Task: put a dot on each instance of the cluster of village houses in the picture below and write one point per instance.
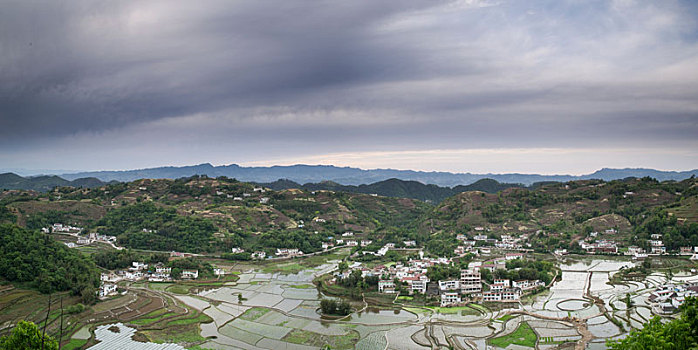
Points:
(81, 239)
(605, 246)
(142, 271)
(60, 228)
(669, 297)
(451, 292)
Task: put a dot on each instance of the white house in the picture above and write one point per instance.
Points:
(139, 265)
(190, 274)
(448, 299)
(259, 255)
(449, 285)
(106, 290)
(470, 281)
(386, 286)
(284, 252)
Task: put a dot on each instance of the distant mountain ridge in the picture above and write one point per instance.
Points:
(397, 188)
(303, 174)
(44, 183)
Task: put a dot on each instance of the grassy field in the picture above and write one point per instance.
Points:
(462, 310)
(200, 318)
(523, 336)
(299, 336)
(74, 344)
(153, 317)
(178, 289)
(286, 268)
(178, 334)
(254, 313)
(505, 318)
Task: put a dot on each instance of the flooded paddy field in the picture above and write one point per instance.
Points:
(279, 310)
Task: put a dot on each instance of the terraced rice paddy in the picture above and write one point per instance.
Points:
(279, 310)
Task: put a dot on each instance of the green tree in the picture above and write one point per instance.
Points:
(342, 266)
(678, 334)
(27, 336)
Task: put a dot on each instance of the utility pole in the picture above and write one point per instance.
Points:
(60, 335)
(43, 335)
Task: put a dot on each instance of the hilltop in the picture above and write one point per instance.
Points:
(44, 183)
(355, 176)
(398, 188)
(202, 214)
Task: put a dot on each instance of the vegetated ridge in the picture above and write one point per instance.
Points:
(398, 188)
(201, 214)
(355, 176)
(44, 183)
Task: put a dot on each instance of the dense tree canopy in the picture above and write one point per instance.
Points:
(678, 334)
(33, 257)
(27, 336)
(164, 228)
(520, 269)
(6, 215)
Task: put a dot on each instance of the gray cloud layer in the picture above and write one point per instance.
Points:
(272, 78)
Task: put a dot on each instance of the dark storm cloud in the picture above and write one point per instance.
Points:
(72, 66)
(319, 76)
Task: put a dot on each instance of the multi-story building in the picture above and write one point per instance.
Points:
(386, 286)
(449, 285)
(470, 281)
(451, 298)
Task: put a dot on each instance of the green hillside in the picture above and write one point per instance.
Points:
(213, 215)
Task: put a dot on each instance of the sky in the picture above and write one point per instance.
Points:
(483, 86)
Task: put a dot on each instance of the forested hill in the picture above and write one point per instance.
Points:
(44, 183)
(35, 259)
(398, 188)
(354, 176)
(213, 215)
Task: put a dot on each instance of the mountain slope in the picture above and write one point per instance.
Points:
(397, 188)
(201, 214)
(44, 183)
(355, 176)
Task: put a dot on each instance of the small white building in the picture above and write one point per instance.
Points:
(290, 252)
(386, 286)
(449, 299)
(449, 285)
(107, 289)
(139, 265)
(190, 274)
(259, 255)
